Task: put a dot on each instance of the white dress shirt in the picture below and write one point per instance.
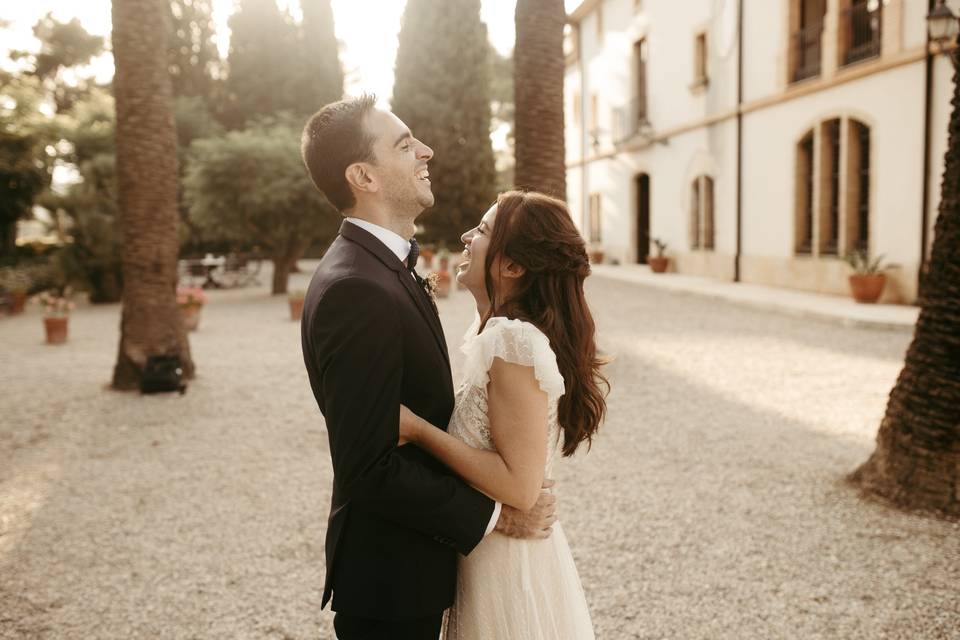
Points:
(401, 248)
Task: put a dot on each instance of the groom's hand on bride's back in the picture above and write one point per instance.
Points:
(537, 523)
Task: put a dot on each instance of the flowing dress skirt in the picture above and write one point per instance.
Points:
(510, 589)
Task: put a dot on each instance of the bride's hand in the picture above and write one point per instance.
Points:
(409, 425)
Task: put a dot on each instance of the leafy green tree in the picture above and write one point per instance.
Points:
(249, 188)
(194, 58)
(26, 165)
(29, 137)
(63, 45)
(92, 259)
(442, 92)
(194, 121)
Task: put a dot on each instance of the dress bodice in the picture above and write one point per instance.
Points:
(513, 341)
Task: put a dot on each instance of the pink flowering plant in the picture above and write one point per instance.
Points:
(190, 297)
(56, 305)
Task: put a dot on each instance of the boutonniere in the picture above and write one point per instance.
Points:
(430, 284)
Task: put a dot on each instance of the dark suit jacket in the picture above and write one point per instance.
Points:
(371, 341)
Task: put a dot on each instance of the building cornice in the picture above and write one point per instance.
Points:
(843, 76)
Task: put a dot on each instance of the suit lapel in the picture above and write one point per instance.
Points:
(426, 309)
(369, 242)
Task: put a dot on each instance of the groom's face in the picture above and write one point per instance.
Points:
(400, 165)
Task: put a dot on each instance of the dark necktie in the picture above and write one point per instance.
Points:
(414, 255)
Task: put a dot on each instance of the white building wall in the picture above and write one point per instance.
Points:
(693, 131)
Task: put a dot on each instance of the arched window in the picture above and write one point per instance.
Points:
(832, 212)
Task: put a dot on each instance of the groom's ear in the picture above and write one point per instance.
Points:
(359, 177)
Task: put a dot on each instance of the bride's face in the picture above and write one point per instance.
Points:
(475, 242)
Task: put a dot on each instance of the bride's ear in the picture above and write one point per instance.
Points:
(359, 177)
(510, 269)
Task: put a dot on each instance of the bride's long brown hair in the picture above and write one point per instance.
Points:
(535, 231)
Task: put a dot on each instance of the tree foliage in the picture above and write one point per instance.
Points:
(63, 45)
(194, 59)
(26, 163)
(322, 80)
(249, 187)
(276, 65)
(443, 94)
(92, 260)
(261, 78)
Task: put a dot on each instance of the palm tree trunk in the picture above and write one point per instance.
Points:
(147, 188)
(538, 95)
(916, 464)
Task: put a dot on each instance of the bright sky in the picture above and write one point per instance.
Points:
(367, 28)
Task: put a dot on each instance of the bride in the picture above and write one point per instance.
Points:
(532, 387)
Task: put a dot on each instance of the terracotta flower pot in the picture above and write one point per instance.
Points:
(867, 288)
(56, 328)
(18, 300)
(596, 256)
(191, 316)
(443, 284)
(658, 264)
(296, 308)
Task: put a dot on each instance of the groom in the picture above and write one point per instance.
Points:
(371, 342)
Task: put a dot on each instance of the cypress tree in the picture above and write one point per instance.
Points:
(262, 63)
(193, 52)
(442, 92)
(322, 80)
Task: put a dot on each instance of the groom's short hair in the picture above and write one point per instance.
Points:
(332, 140)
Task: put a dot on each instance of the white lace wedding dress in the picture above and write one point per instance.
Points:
(510, 589)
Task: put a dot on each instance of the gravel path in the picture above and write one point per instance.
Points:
(711, 505)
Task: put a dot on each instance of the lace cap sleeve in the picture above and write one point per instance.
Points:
(517, 342)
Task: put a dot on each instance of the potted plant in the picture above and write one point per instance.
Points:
(443, 255)
(596, 254)
(867, 280)
(56, 315)
(296, 298)
(16, 282)
(659, 262)
(427, 253)
(190, 300)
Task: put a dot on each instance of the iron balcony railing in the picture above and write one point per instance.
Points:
(863, 25)
(806, 52)
(630, 120)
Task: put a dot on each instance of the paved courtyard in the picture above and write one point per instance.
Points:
(711, 506)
